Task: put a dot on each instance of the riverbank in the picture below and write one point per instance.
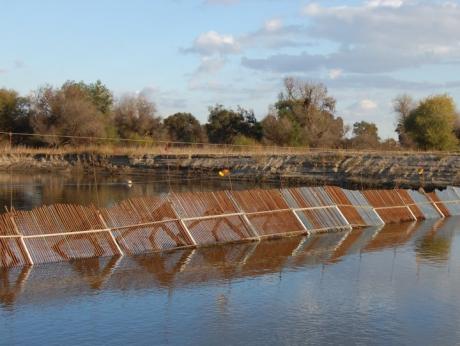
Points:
(353, 169)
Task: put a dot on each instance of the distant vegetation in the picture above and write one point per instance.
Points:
(303, 115)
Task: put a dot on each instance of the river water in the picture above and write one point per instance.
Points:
(394, 285)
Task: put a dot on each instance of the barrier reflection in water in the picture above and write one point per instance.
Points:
(430, 239)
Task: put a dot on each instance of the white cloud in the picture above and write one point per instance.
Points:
(273, 25)
(377, 36)
(385, 3)
(211, 42)
(335, 73)
(367, 105)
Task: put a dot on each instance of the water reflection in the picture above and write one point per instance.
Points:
(431, 241)
(26, 191)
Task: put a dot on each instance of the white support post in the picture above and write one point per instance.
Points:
(188, 232)
(300, 221)
(120, 251)
(23, 244)
(344, 218)
(378, 216)
(26, 250)
(411, 212)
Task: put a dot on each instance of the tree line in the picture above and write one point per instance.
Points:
(303, 115)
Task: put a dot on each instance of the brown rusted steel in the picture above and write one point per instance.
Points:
(450, 199)
(198, 204)
(346, 207)
(315, 209)
(407, 199)
(12, 252)
(216, 230)
(435, 199)
(211, 217)
(65, 247)
(147, 224)
(389, 205)
(252, 201)
(268, 212)
(6, 225)
(137, 211)
(153, 237)
(58, 218)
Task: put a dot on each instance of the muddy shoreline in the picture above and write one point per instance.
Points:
(385, 170)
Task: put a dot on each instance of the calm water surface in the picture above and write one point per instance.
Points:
(396, 285)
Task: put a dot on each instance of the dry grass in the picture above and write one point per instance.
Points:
(195, 149)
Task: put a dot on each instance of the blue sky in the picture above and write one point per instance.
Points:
(186, 55)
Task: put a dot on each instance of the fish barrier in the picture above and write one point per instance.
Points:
(65, 232)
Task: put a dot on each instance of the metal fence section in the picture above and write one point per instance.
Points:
(148, 224)
(420, 205)
(389, 205)
(64, 232)
(212, 217)
(70, 246)
(12, 249)
(268, 212)
(448, 200)
(355, 207)
(315, 208)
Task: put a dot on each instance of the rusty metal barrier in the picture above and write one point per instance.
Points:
(12, 249)
(64, 232)
(356, 208)
(315, 208)
(212, 217)
(148, 224)
(419, 204)
(389, 205)
(268, 212)
(448, 200)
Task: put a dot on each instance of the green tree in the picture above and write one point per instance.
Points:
(365, 135)
(100, 95)
(14, 112)
(184, 127)
(310, 112)
(224, 125)
(431, 125)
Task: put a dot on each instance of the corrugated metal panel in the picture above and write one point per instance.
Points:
(58, 218)
(252, 201)
(12, 252)
(275, 223)
(317, 211)
(363, 207)
(137, 211)
(196, 204)
(346, 207)
(450, 199)
(408, 201)
(268, 212)
(389, 205)
(323, 220)
(218, 229)
(155, 237)
(56, 248)
(6, 225)
(436, 201)
(424, 204)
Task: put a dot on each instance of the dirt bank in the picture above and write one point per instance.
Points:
(334, 168)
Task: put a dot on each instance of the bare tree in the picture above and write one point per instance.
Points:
(135, 117)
